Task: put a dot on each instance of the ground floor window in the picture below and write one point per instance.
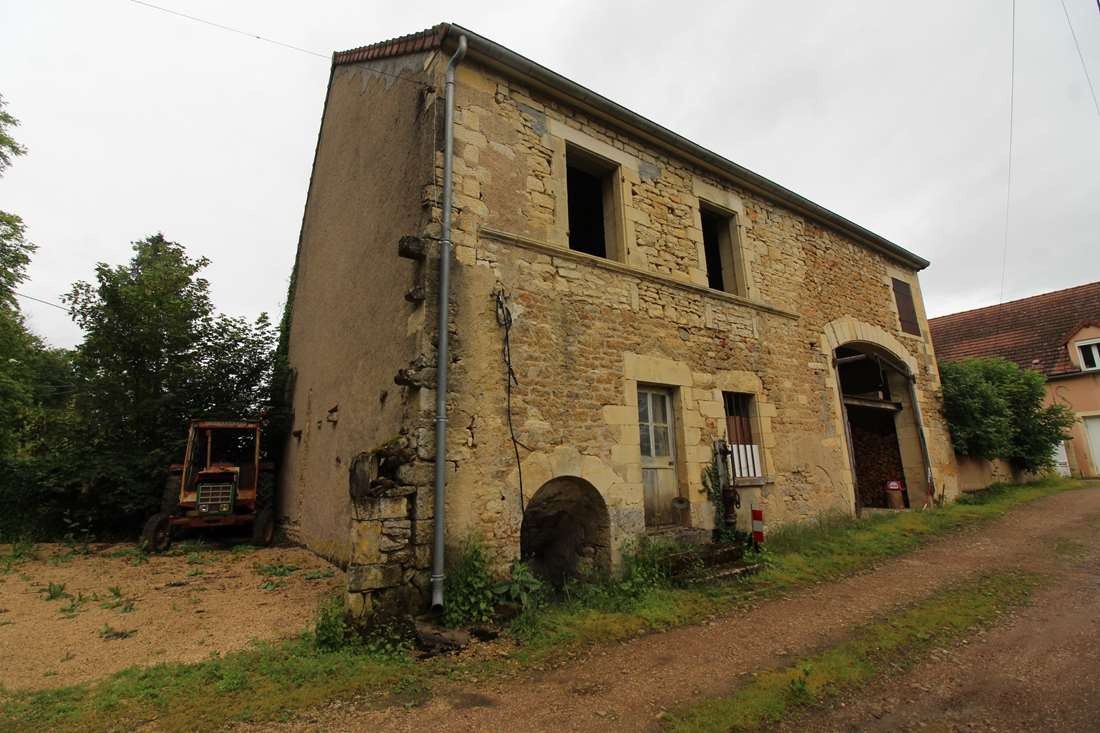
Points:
(743, 443)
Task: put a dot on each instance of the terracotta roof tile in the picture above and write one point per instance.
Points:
(1033, 332)
(412, 43)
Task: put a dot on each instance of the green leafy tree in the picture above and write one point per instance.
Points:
(18, 346)
(995, 409)
(155, 354)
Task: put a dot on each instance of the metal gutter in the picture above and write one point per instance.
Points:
(512, 64)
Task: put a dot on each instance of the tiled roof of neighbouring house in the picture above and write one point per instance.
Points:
(1033, 332)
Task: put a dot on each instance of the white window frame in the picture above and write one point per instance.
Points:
(1094, 346)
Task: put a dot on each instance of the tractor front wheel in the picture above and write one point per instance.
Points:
(157, 534)
(263, 528)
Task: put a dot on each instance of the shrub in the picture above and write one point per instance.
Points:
(995, 410)
(469, 588)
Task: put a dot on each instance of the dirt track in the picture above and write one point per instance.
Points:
(180, 608)
(628, 687)
(1038, 671)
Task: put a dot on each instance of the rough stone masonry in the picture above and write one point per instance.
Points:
(586, 331)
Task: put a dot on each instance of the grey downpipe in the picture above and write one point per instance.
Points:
(443, 356)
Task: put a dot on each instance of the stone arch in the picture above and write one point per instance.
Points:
(850, 331)
(884, 429)
(566, 530)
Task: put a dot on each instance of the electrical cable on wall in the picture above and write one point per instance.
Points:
(504, 318)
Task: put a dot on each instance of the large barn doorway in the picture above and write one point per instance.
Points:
(566, 532)
(885, 439)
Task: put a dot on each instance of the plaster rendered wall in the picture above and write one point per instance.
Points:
(350, 327)
(588, 331)
(1082, 394)
(976, 474)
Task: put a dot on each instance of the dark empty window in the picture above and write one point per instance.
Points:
(586, 230)
(713, 224)
(590, 186)
(907, 310)
(1090, 356)
(721, 250)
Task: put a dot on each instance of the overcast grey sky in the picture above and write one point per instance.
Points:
(893, 114)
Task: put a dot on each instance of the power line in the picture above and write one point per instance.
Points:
(39, 300)
(231, 29)
(1081, 56)
(283, 44)
(1011, 115)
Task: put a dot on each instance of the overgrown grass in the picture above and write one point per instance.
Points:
(271, 680)
(267, 682)
(828, 548)
(897, 641)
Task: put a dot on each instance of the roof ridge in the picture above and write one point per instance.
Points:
(1048, 294)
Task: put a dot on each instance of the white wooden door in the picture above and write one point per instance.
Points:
(658, 455)
(1092, 429)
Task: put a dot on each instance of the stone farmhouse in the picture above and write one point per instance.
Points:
(618, 299)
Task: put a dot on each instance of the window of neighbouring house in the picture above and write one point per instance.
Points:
(720, 249)
(591, 189)
(1090, 355)
(743, 442)
(907, 309)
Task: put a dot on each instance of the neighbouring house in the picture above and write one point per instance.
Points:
(620, 299)
(1055, 333)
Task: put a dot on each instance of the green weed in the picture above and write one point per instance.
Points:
(331, 630)
(277, 570)
(134, 555)
(469, 588)
(54, 591)
(318, 574)
(107, 633)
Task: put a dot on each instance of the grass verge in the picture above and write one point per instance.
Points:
(898, 641)
(271, 681)
(825, 549)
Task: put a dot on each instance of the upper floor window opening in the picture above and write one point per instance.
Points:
(907, 308)
(721, 250)
(1090, 355)
(593, 193)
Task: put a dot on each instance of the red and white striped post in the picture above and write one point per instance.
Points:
(757, 526)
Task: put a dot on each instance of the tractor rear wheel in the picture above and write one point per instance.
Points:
(157, 534)
(170, 497)
(263, 528)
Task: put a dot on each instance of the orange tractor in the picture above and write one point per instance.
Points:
(222, 483)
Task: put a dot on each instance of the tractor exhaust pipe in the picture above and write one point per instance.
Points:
(443, 356)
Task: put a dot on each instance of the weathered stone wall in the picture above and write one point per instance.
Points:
(587, 331)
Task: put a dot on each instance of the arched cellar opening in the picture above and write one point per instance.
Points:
(884, 434)
(566, 532)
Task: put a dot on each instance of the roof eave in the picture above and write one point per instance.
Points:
(514, 65)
